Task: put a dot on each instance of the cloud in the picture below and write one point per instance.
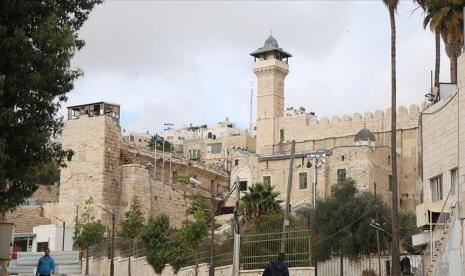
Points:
(188, 62)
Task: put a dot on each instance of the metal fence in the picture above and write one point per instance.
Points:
(369, 265)
(258, 250)
(124, 248)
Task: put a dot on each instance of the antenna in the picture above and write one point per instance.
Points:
(251, 107)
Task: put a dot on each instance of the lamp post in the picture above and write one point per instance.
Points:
(319, 159)
(237, 231)
(64, 224)
(112, 265)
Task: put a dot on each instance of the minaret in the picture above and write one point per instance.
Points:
(271, 68)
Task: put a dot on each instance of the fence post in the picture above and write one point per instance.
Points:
(342, 264)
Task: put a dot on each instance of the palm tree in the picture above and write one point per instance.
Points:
(392, 7)
(259, 201)
(437, 39)
(446, 16)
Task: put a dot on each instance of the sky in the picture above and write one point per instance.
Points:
(187, 62)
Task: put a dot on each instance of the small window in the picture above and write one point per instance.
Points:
(389, 160)
(390, 183)
(242, 186)
(236, 162)
(436, 188)
(41, 246)
(140, 140)
(267, 180)
(303, 180)
(453, 181)
(341, 176)
(281, 135)
(266, 165)
(209, 135)
(302, 162)
(343, 157)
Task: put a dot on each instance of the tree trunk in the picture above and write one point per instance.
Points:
(453, 67)
(437, 38)
(87, 261)
(395, 200)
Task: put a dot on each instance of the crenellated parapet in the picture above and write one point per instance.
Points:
(304, 127)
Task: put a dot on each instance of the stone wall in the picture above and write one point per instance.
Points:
(94, 171)
(46, 193)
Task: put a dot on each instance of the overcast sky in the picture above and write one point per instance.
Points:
(188, 62)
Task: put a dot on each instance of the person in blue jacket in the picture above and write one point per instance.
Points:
(46, 264)
(277, 268)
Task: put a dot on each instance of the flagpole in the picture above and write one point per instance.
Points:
(155, 153)
(163, 162)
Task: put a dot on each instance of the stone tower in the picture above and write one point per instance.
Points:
(92, 131)
(271, 68)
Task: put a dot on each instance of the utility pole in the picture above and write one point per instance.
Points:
(288, 198)
(377, 231)
(211, 270)
(237, 233)
(112, 264)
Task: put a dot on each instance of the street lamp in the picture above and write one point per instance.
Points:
(64, 224)
(112, 265)
(197, 184)
(319, 159)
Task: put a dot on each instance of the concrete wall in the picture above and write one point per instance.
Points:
(140, 267)
(53, 234)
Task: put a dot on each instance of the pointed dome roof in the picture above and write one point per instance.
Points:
(271, 42)
(364, 135)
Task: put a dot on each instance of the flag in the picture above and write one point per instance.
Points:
(158, 139)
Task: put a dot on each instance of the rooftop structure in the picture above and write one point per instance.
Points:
(95, 109)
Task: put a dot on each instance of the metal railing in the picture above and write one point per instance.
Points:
(124, 247)
(258, 250)
(438, 232)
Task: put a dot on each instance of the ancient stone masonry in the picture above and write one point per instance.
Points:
(113, 171)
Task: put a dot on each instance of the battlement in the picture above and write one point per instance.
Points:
(307, 127)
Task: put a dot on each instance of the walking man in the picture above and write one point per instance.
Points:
(46, 264)
(277, 268)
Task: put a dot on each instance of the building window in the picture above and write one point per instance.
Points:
(194, 154)
(266, 165)
(436, 188)
(303, 180)
(281, 135)
(214, 148)
(453, 181)
(343, 157)
(209, 135)
(389, 160)
(267, 180)
(41, 246)
(140, 140)
(242, 186)
(390, 183)
(341, 176)
(236, 162)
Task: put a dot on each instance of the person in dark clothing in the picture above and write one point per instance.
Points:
(277, 268)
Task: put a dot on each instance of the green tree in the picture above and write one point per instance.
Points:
(88, 230)
(259, 201)
(340, 223)
(446, 17)
(168, 146)
(192, 234)
(48, 174)
(38, 39)
(133, 223)
(392, 8)
(157, 237)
